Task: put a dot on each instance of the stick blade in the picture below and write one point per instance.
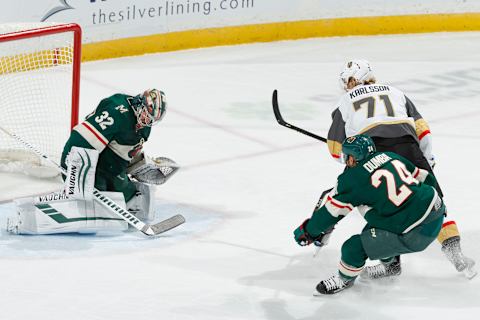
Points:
(278, 116)
(167, 224)
(276, 109)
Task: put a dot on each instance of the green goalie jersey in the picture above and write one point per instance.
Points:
(388, 190)
(112, 130)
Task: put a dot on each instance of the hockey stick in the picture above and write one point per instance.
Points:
(109, 204)
(282, 122)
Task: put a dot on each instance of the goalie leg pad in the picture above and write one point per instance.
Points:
(80, 179)
(143, 202)
(69, 216)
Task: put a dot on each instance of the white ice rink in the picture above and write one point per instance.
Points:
(247, 182)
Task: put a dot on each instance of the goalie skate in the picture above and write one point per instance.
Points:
(13, 224)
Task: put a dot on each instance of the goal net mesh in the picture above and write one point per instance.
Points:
(36, 81)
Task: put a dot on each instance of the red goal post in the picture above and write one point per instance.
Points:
(39, 88)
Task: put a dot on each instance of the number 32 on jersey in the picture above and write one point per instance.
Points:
(104, 120)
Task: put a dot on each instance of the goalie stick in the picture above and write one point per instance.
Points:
(278, 116)
(109, 204)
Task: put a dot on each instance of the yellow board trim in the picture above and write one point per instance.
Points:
(422, 23)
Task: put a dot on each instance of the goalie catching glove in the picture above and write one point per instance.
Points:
(152, 170)
(303, 238)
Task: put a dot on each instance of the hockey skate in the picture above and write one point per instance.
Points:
(13, 223)
(333, 285)
(453, 252)
(383, 270)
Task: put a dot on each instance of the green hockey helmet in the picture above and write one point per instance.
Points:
(359, 147)
(150, 107)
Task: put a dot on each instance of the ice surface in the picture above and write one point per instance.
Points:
(246, 183)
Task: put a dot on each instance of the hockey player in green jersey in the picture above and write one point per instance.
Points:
(404, 212)
(390, 118)
(117, 129)
(105, 152)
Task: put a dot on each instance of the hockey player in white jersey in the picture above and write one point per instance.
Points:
(390, 118)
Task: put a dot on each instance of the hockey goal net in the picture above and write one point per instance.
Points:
(39, 92)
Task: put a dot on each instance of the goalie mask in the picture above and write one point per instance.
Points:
(359, 70)
(150, 107)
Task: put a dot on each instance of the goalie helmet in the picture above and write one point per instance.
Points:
(359, 70)
(150, 107)
(359, 147)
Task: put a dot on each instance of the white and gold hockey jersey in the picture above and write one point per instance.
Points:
(376, 110)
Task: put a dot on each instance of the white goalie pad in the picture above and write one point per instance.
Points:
(53, 213)
(142, 204)
(152, 170)
(81, 167)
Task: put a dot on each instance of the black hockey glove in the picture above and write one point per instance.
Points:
(303, 238)
(324, 237)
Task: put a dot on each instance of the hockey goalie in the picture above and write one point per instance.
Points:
(103, 152)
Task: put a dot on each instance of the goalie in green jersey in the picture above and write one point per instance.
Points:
(117, 129)
(404, 212)
(105, 152)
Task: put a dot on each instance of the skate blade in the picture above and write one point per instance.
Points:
(317, 294)
(470, 273)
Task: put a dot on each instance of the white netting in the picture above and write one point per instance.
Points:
(35, 93)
